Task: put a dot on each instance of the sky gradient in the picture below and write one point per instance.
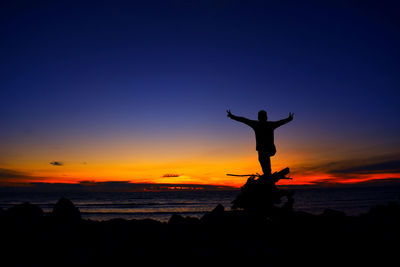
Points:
(113, 91)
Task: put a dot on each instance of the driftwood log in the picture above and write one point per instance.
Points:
(260, 194)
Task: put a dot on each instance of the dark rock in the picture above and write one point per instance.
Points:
(333, 213)
(219, 209)
(176, 219)
(26, 212)
(65, 211)
(192, 220)
(391, 212)
(215, 215)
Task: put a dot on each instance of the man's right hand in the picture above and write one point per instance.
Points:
(229, 113)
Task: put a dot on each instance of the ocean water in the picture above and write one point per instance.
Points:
(161, 205)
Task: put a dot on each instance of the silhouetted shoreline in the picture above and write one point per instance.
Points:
(61, 238)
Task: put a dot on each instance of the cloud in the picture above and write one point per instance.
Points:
(357, 166)
(57, 163)
(391, 166)
(7, 174)
(356, 170)
(170, 175)
(12, 177)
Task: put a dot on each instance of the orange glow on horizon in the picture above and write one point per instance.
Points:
(321, 179)
(169, 166)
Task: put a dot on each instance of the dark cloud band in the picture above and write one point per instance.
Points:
(56, 163)
(171, 175)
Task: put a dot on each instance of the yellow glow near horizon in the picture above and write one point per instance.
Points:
(194, 161)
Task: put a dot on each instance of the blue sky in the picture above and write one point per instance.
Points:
(90, 72)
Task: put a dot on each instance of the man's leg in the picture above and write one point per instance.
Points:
(265, 162)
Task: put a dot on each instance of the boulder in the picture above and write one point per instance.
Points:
(333, 213)
(65, 211)
(176, 219)
(215, 215)
(25, 212)
(179, 220)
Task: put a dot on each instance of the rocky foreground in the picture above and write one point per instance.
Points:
(29, 237)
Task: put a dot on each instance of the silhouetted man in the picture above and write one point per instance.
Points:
(264, 131)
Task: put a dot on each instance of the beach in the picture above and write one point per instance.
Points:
(62, 237)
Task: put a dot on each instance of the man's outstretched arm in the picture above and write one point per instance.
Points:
(284, 121)
(237, 118)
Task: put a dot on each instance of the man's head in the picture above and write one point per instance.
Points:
(262, 115)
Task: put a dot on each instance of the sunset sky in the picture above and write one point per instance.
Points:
(99, 91)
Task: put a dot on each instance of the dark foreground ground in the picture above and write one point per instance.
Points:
(224, 238)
